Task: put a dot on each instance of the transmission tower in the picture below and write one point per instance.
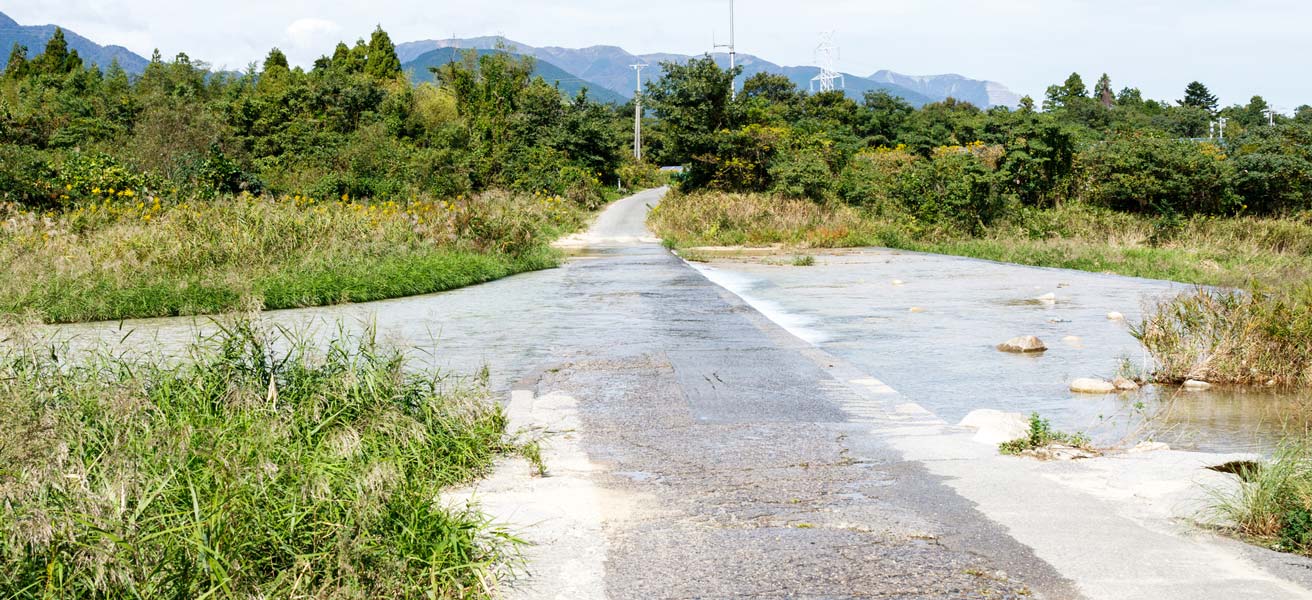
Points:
(637, 113)
(826, 57)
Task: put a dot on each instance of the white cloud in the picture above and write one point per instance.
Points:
(311, 32)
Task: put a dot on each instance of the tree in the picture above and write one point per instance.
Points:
(17, 66)
(275, 59)
(1103, 91)
(693, 101)
(1198, 96)
(1067, 94)
(57, 59)
(772, 87)
(382, 62)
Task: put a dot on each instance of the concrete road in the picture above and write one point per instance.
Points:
(720, 462)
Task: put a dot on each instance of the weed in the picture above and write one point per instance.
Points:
(805, 260)
(1042, 435)
(247, 472)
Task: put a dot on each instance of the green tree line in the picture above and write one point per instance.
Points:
(966, 166)
(351, 125)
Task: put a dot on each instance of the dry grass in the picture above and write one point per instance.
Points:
(1210, 251)
(1257, 338)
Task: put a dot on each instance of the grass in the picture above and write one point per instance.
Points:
(1246, 338)
(1208, 251)
(246, 471)
(1041, 435)
(1272, 504)
(127, 259)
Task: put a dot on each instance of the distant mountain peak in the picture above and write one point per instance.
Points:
(7, 22)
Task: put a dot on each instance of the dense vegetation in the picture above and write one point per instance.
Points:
(254, 471)
(1101, 180)
(185, 190)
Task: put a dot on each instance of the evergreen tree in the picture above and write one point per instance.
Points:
(382, 62)
(1198, 96)
(1074, 88)
(275, 59)
(1103, 91)
(17, 66)
(55, 60)
(1026, 104)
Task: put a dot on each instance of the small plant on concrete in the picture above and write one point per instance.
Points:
(1273, 502)
(1041, 435)
(804, 260)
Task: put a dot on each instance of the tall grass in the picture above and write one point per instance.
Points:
(123, 259)
(261, 468)
(1203, 250)
(1273, 500)
(1259, 337)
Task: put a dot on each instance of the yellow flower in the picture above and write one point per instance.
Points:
(128, 193)
(95, 190)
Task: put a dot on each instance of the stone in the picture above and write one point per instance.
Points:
(1125, 385)
(1195, 385)
(898, 282)
(1023, 345)
(1063, 452)
(994, 427)
(1047, 298)
(917, 309)
(1092, 386)
(1074, 340)
(1063, 285)
(1115, 316)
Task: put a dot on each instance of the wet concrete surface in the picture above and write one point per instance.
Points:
(727, 466)
(857, 304)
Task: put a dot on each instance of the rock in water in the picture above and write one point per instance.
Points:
(917, 309)
(1092, 386)
(1125, 385)
(1047, 298)
(994, 427)
(1115, 316)
(1195, 385)
(1023, 345)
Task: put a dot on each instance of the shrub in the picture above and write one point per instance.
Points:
(869, 178)
(1041, 434)
(801, 173)
(1156, 175)
(27, 177)
(954, 188)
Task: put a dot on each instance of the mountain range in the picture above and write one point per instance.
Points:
(604, 70)
(609, 67)
(34, 37)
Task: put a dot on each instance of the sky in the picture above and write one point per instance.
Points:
(1237, 48)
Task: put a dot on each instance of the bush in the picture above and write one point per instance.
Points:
(1160, 176)
(27, 177)
(869, 178)
(801, 173)
(953, 188)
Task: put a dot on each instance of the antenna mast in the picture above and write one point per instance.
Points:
(826, 57)
(637, 113)
(733, 52)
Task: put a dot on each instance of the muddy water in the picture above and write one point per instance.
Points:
(928, 325)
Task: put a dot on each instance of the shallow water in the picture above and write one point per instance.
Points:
(943, 356)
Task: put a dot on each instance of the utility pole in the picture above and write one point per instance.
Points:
(1270, 117)
(1221, 128)
(637, 113)
(733, 53)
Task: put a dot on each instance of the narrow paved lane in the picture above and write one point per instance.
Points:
(726, 462)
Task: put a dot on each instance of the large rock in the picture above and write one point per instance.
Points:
(994, 427)
(1092, 386)
(1115, 316)
(1022, 345)
(1125, 385)
(1195, 385)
